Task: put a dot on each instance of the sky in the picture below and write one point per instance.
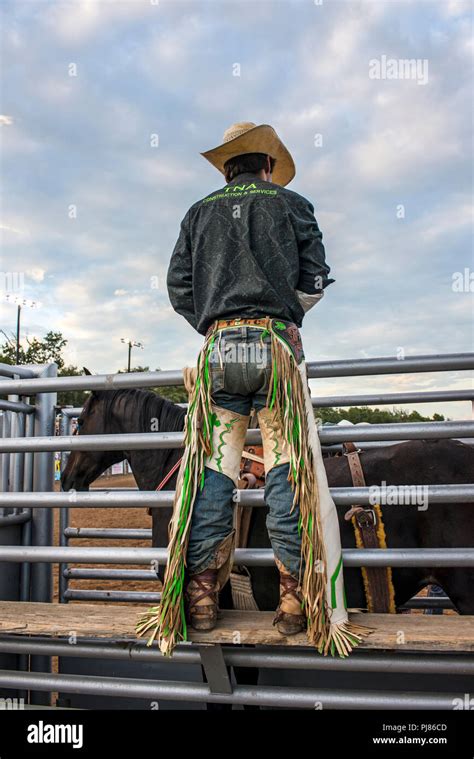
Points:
(107, 104)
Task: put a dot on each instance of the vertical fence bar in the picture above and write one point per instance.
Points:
(19, 457)
(18, 486)
(17, 472)
(25, 570)
(6, 433)
(42, 519)
(13, 458)
(2, 427)
(65, 425)
(26, 533)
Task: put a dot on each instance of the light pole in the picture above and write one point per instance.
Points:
(131, 344)
(19, 303)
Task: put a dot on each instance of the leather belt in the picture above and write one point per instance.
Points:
(241, 322)
(370, 533)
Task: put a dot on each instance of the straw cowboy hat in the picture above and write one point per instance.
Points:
(247, 137)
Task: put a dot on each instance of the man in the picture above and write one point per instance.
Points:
(247, 266)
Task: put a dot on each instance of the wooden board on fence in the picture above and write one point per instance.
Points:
(403, 632)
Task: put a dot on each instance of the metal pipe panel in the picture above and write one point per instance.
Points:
(382, 399)
(461, 493)
(118, 596)
(41, 578)
(242, 694)
(369, 399)
(107, 533)
(257, 656)
(341, 368)
(65, 424)
(74, 573)
(160, 440)
(17, 407)
(353, 557)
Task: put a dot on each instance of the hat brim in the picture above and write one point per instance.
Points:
(259, 139)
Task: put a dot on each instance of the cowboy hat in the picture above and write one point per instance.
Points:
(246, 137)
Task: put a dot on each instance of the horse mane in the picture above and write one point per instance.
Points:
(147, 406)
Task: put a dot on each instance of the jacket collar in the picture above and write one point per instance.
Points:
(244, 177)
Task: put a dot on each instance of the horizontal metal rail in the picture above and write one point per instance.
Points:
(341, 368)
(9, 519)
(438, 602)
(138, 596)
(103, 533)
(117, 596)
(152, 440)
(367, 445)
(432, 494)
(370, 399)
(296, 698)
(357, 557)
(384, 399)
(16, 406)
(258, 656)
(7, 370)
(88, 573)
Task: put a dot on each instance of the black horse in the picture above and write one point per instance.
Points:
(420, 462)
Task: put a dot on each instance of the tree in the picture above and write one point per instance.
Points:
(45, 351)
(359, 414)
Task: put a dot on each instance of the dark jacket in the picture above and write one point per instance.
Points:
(243, 251)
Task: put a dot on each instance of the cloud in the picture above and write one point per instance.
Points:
(37, 275)
(79, 22)
(167, 69)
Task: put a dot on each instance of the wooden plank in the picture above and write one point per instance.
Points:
(403, 632)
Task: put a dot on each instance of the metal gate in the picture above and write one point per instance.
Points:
(27, 501)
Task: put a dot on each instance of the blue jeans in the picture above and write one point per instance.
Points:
(240, 384)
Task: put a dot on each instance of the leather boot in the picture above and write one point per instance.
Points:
(202, 596)
(202, 591)
(290, 618)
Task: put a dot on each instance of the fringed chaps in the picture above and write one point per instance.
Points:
(321, 576)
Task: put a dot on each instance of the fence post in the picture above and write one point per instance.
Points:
(65, 424)
(42, 519)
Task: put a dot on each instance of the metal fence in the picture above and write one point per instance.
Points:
(27, 501)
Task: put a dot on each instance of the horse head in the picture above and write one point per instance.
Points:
(83, 467)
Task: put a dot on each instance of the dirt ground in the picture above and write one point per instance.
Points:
(123, 518)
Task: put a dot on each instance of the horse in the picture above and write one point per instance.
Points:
(420, 462)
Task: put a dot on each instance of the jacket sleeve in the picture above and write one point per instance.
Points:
(180, 276)
(314, 270)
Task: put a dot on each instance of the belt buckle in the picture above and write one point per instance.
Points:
(367, 518)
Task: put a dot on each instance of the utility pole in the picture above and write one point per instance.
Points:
(10, 298)
(18, 313)
(131, 344)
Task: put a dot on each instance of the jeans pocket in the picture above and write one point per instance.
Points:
(217, 378)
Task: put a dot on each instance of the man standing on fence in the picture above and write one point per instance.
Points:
(247, 266)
